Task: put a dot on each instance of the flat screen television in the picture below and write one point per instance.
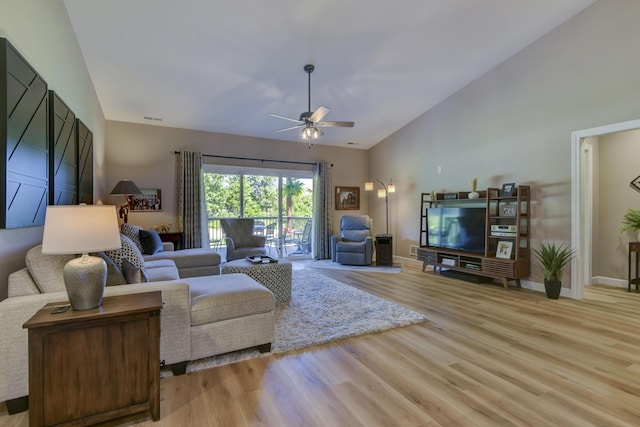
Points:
(462, 229)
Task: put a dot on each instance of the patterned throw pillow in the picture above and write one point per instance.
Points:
(132, 232)
(129, 251)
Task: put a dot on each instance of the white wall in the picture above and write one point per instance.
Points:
(514, 123)
(41, 32)
(145, 155)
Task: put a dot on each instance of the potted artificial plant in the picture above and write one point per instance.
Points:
(553, 260)
(631, 220)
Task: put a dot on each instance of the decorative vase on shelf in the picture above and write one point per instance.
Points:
(474, 194)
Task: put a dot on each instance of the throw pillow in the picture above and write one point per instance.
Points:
(114, 275)
(151, 242)
(133, 274)
(128, 250)
(132, 232)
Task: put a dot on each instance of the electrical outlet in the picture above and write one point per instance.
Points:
(439, 169)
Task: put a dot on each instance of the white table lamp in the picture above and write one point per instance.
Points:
(80, 230)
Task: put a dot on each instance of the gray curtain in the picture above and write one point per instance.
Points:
(190, 201)
(322, 218)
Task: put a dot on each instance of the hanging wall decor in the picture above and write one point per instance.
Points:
(24, 145)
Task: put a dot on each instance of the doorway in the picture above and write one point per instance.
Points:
(582, 200)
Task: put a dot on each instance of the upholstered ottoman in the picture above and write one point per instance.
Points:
(275, 276)
(229, 313)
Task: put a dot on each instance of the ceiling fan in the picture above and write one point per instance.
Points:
(310, 121)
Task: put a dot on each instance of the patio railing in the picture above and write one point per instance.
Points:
(284, 243)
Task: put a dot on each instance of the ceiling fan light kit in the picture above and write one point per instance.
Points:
(310, 121)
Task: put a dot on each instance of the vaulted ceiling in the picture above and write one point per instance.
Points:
(223, 66)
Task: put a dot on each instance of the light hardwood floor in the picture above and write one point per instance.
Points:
(488, 357)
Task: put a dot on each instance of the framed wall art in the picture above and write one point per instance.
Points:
(347, 198)
(150, 200)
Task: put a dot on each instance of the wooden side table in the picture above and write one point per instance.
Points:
(90, 366)
(175, 237)
(634, 247)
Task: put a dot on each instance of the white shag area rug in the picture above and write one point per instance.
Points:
(321, 310)
(327, 263)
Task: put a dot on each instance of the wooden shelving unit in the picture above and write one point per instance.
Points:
(507, 224)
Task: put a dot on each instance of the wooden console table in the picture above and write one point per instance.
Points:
(90, 366)
(174, 237)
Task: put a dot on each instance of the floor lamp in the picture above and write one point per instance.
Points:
(127, 189)
(382, 193)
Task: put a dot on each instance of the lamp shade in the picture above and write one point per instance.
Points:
(80, 229)
(368, 186)
(126, 187)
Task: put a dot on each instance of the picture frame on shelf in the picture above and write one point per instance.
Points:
(347, 198)
(149, 201)
(504, 249)
(508, 189)
(508, 211)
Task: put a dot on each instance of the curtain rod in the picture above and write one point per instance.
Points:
(256, 160)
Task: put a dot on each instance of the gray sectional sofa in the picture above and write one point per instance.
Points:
(204, 313)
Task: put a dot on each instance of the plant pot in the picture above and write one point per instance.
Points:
(552, 288)
(474, 195)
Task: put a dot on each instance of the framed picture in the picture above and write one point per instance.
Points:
(504, 249)
(508, 189)
(347, 198)
(149, 201)
(508, 211)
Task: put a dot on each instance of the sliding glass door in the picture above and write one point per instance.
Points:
(280, 201)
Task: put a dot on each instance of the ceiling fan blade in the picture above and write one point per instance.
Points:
(286, 118)
(336, 124)
(291, 128)
(319, 114)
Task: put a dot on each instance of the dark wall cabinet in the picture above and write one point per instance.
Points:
(23, 141)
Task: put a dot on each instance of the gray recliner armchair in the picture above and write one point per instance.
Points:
(240, 240)
(354, 246)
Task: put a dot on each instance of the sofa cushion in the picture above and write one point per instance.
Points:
(357, 247)
(188, 258)
(151, 242)
(160, 270)
(129, 251)
(132, 232)
(47, 270)
(133, 274)
(228, 296)
(21, 283)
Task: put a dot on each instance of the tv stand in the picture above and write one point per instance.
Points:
(507, 223)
